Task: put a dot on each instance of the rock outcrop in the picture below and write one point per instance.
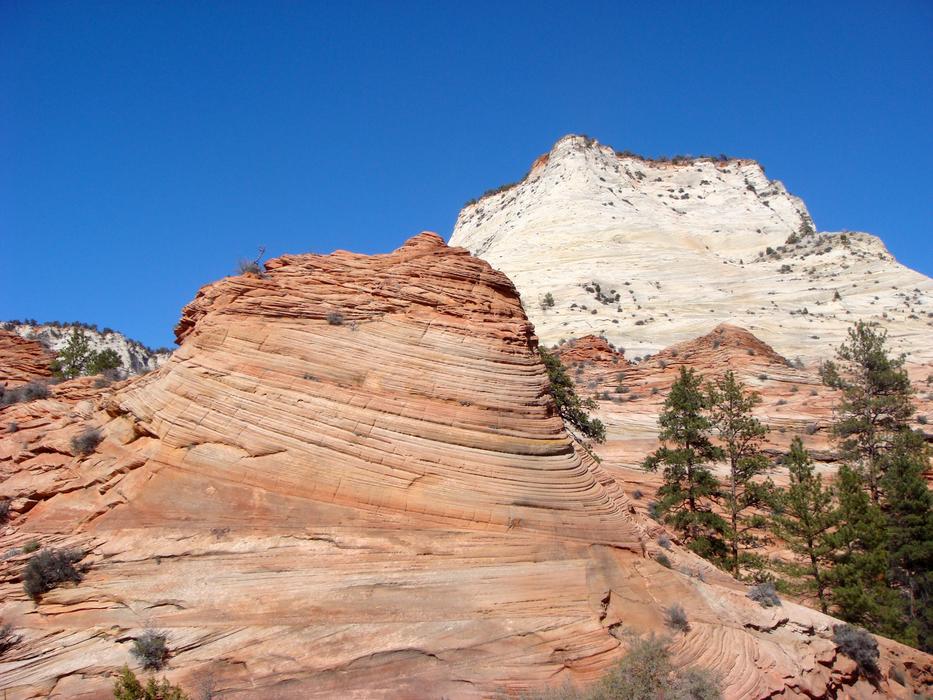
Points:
(350, 481)
(136, 357)
(651, 253)
(22, 360)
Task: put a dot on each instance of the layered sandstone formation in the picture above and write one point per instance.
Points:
(22, 360)
(350, 481)
(652, 253)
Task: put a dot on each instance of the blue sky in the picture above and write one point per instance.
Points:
(146, 147)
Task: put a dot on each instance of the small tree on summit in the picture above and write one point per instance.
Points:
(571, 407)
(689, 488)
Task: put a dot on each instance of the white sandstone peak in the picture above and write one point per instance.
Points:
(651, 252)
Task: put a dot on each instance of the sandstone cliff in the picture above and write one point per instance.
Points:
(350, 481)
(652, 253)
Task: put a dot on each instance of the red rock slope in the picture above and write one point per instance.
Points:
(349, 481)
(22, 360)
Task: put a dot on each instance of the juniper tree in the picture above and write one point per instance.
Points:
(741, 435)
(806, 516)
(689, 489)
(875, 404)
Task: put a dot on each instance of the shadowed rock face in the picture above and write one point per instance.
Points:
(350, 481)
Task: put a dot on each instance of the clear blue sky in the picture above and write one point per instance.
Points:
(147, 146)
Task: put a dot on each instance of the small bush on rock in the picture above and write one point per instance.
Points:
(8, 638)
(859, 646)
(48, 569)
(24, 393)
(150, 649)
(4, 510)
(663, 560)
(335, 318)
(676, 618)
(764, 594)
(85, 442)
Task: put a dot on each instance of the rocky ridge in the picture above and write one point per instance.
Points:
(350, 480)
(136, 357)
(652, 253)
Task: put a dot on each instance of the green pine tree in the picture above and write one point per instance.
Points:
(102, 361)
(859, 575)
(689, 489)
(875, 404)
(570, 406)
(909, 514)
(805, 518)
(74, 356)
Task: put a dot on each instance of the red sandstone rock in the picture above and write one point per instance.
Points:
(22, 360)
(381, 505)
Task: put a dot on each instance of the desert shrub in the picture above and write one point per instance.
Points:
(763, 377)
(31, 546)
(663, 560)
(128, 687)
(335, 318)
(675, 617)
(21, 394)
(781, 402)
(922, 419)
(249, 267)
(49, 568)
(764, 594)
(654, 510)
(811, 428)
(859, 646)
(8, 638)
(85, 442)
(12, 427)
(637, 494)
(150, 649)
(4, 510)
(647, 672)
(664, 541)
(548, 301)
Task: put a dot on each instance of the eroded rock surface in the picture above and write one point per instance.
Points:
(653, 253)
(22, 360)
(350, 481)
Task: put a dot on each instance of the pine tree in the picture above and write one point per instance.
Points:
(570, 406)
(74, 357)
(875, 403)
(689, 487)
(859, 576)
(741, 435)
(102, 361)
(806, 517)
(909, 514)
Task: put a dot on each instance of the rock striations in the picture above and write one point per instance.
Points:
(22, 360)
(350, 481)
(650, 253)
